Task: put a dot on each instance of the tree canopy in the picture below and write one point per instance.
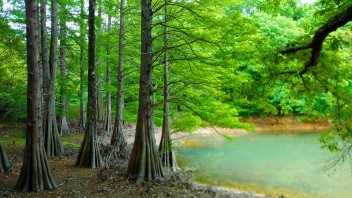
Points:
(226, 60)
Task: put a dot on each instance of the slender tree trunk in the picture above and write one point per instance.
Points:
(4, 162)
(82, 110)
(145, 163)
(64, 128)
(45, 65)
(118, 138)
(107, 123)
(89, 153)
(40, 60)
(35, 173)
(51, 135)
(82, 114)
(167, 155)
(100, 113)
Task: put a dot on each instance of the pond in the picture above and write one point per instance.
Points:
(289, 164)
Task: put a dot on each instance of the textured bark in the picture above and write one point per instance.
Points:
(107, 124)
(316, 45)
(35, 173)
(4, 162)
(44, 45)
(89, 153)
(82, 111)
(167, 155)
(118, 138)
(144, 163)
(64, 128)
(100, 112)
(52, 142)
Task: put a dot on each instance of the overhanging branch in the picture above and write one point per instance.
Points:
(316, 45)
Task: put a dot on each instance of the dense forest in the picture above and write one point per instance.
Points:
(70, 66)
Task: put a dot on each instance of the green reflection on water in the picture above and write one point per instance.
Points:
(290, 164)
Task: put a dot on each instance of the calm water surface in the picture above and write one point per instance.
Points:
(291, 162)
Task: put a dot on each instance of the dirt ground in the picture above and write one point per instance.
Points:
(287, 124)
(110, 181)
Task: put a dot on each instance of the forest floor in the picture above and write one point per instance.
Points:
(110, 181)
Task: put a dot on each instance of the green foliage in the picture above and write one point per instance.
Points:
(12, 73)
(185, 122)
(72, 140)
(223, 56)
(14, 137)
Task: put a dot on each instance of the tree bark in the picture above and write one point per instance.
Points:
(82, 111)
(167, 155)
(100, 113)
(144, 163)
(107, 123)
(52, 142)
(64, 128)
(35, 173)
(89, 153)
(4, 162)
(118, 138)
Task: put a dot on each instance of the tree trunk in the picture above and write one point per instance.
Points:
(167, 155)
(64, 128)
(99, 85)
(51, 135)
(44, 59)
(89, 153)
(118, 138)
(100, 113)
(35, 173)
(145, 163)
(82, 111)
(107, 123)
(4, 162)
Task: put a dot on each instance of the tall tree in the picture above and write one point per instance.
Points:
(167, 155)
(44, 46)
(64, 128)
(118, 138)
(4, 162)
(89, 153)
(144, 163)
(100, 114)
(35, 173)
(51, 135)
(82, 111)
(107, 123)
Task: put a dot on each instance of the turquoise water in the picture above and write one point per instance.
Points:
(291, 162)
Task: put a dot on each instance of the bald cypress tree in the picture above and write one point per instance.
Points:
(82, 109)
(144, 163)
(118, 138)
(35, 173)
(107, 123)
(64, 128)
(4, 162)
(89, 153)
(51, 138)
(167, 155)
